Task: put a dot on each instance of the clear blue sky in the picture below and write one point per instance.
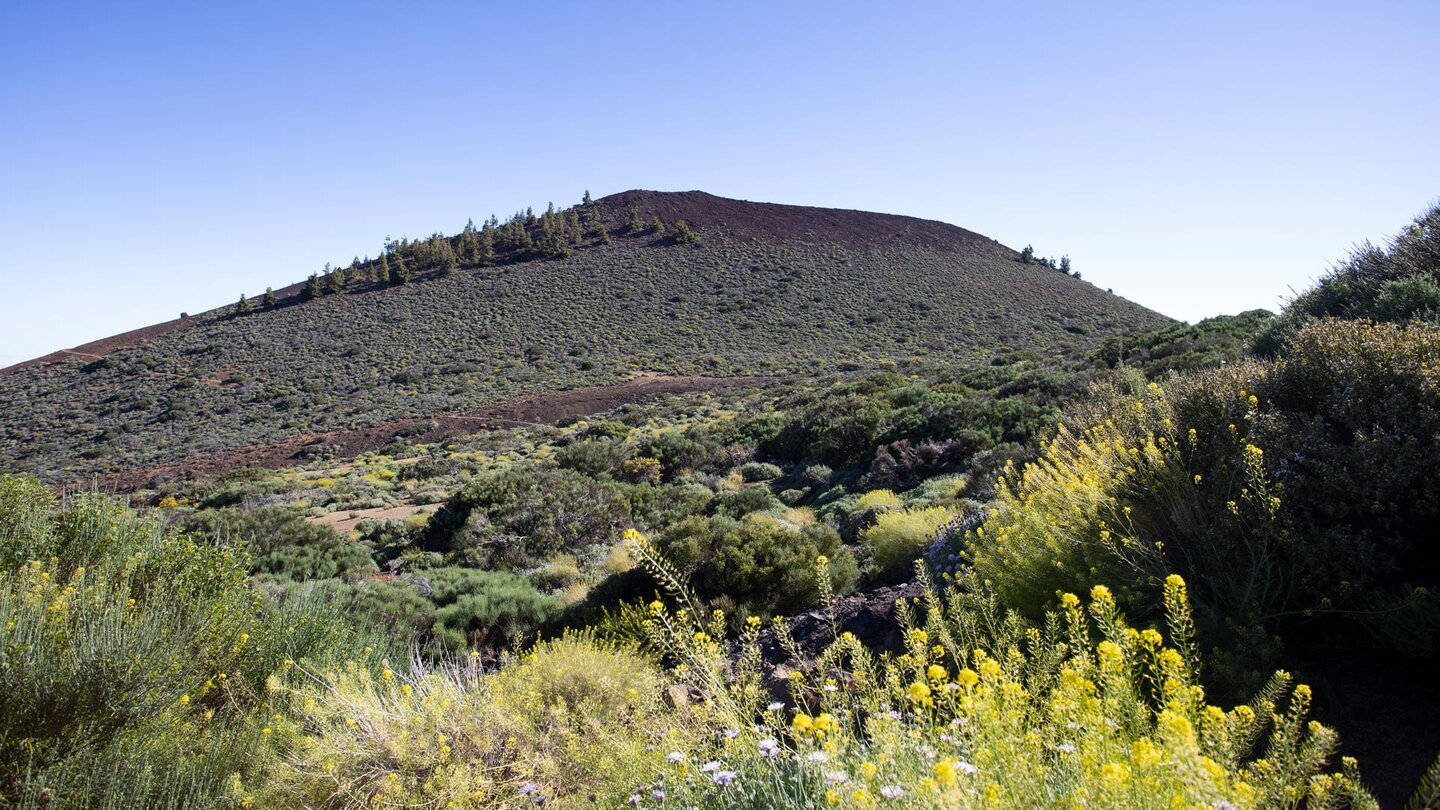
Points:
(1200, 158)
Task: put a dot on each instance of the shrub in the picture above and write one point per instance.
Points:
(516, 518)
(1407, 299)
(642, 470)
(818, 474)
(576, 722)
(878, 500)
(757, 565)
(674, 451)
(741, 502)
(282, 544)
(979, 703)
(130, 656)
(897, 538)
(666, 504)
(760, 471)
(592, 457)
(484, 608)
(1350, 419)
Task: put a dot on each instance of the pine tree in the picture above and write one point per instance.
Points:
(658, 226)
(634, 224)
(485, 250)
(1027, 255)
(269, 299)
(586, 199)
(399, 272)
(1065, 264)
(448, 265)
(521, 240)
(242, 307)
(573, 229)
(469, 246)
(384, 274)
(684, 235)
(312, 288)
(603, 233)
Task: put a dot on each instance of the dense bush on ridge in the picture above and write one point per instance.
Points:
(1247, 480)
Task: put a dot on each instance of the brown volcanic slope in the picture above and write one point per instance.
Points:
(769, 290)
(769, 221)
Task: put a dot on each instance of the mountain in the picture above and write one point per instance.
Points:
(596, 295)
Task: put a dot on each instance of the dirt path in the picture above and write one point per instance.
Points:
(536, 409)
(345, 520)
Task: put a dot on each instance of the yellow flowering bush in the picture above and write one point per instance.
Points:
(570, 719)
(132, 659)
(1158, 481)
(985, 710)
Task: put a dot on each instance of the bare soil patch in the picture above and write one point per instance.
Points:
(345, 520)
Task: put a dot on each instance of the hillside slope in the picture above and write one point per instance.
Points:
(766, 290)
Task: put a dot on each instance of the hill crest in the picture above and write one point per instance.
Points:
(585, 297)
(768, 221)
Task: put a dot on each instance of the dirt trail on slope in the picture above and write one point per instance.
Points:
(534, 409)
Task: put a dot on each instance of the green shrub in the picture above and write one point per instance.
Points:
(485, 608)
(130, 656)
(1408, 299)
(897, 537)
(656, 506)
(755, 471)
(282, 544)
(592, 457)
(675, 451)
(740, 503)
(818, 474)
(518, 518)
(394, 608)
(757, 565)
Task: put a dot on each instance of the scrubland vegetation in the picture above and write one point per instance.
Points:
(372, 351)
(1125, 576)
